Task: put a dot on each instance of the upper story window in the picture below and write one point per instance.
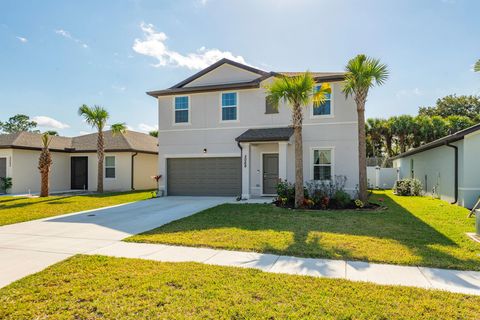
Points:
(182, 109)
(229, 106)
(322, 164)
(110, 167)
(324, 109)
(269, 108)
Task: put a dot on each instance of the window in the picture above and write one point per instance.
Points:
(181, 109)
(110, 167)
(229, 106)
(325, 108)
(322, 164)
(269, 108)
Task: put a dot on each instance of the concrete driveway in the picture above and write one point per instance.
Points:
(29, 247)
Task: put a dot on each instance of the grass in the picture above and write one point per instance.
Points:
(92, 287)
(412, 231)
(20, 209)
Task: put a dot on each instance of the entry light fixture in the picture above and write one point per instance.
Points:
(204, 150)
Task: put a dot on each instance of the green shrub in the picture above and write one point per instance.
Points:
(408, 187)
(5, 184)
(342, 199)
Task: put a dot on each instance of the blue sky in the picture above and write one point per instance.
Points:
(57, 55)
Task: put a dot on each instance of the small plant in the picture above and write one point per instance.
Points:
(359, 203)
(6, 184)
(408, 187)
(341, 199)
(157, 179)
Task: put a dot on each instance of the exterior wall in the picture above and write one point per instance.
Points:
(26, 176)
(438, 166)
(256, 165)
(469, 189)
(145, 166)
(7, 154)
(206, 132)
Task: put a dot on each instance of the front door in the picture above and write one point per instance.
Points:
(79, 173)
(3, 172)
(270, 173)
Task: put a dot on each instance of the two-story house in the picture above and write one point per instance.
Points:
(218, 135)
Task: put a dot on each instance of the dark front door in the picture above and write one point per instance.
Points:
(79, 177)
(270, 173)
(3, 172)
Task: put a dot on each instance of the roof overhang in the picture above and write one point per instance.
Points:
(266, 134)
(209, 88)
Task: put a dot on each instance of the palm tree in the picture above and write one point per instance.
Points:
(97, 117)
(403, 127)
(362, 73)
(387, 135)
(154, 133)
(477, 66)
(298, 91)
(44, 163)
(374, 130)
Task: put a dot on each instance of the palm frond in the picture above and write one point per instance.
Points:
(46, 140)
(362, 73)
(118, 128)
(95, 117)
(477, 66)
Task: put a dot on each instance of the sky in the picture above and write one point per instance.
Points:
(58, 55)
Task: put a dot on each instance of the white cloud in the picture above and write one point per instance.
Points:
(119, 88)
(153, 45)
(146, 127)
(22, 39)
(67, 35)
(47, 122)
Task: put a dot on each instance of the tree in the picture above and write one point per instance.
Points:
(457, 123)
(374, 133)
(362, 73)
(154, 133)
(453, 105)
(387, 134)
(298, 92)
(423, 132)
(52, 132)
(477, 66)
(440, 128)
(402, 128)
(18, 123)
(44, 164)
(97, 118)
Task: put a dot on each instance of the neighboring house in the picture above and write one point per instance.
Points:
(219, 136)
(447, 167)
(131, 159)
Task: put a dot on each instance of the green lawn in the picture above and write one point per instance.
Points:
(412, 231)
(93, 287)
(19, 209)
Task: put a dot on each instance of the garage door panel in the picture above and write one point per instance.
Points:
(204, 176)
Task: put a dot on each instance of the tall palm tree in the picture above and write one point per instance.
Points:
(403, 127)
(374, 130)
(387, 135)
(298, 92)
(477, 66)
(97, 117)
(44, 163)
(362, 73)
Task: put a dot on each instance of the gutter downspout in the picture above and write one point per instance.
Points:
(133, 170)
(455, 148)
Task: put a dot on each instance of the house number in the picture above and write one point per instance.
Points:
(245, 161)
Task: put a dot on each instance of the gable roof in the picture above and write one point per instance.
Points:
(180, 87)
(129, 141)
(459, 135)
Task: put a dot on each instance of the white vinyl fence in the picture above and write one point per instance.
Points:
(381, 178)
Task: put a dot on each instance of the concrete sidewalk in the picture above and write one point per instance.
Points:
(467, 282)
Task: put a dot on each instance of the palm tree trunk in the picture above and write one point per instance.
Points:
(297, 127)
(100, 156)
(362, 153)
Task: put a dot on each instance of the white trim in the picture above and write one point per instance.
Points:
(332, 165)
(202, 155)
(237, 106)
(261, 173)
(332, 107)
(175, 124)
(259, 126)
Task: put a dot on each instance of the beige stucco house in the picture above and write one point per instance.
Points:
(447, 167)
(131, 159)
(219, 136)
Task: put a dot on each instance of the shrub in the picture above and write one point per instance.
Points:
(5, 184)
(408, 187)
(341, 199)
(286, 193)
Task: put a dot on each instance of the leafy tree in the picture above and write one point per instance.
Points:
(97, 117)
(362, 73)
(453, 105)
(423, 130)
(18, 123)
(52, 133)
(374, 136)
(44, 164)
(477, 66)
(457, 123)
(154, 133)
(298, 91)
(402, 127)
(440, 128)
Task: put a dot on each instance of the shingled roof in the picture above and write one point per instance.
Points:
(266, 134)
(129, 141)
